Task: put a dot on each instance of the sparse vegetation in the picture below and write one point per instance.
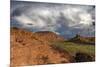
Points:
(73, 48)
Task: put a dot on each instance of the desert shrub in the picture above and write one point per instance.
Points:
(83, 57)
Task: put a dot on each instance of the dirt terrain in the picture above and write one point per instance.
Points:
(29, 48)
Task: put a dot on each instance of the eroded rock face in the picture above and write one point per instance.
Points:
(28, 49)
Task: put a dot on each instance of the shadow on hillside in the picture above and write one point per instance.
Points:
(84, 57)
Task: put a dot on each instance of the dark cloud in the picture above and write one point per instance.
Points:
(16, 12)
(67, 20)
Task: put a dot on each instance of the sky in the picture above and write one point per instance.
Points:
(63, 19)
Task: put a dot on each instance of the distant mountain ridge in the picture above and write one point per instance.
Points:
(82, 39)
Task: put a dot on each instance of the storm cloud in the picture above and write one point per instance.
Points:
(63, 19)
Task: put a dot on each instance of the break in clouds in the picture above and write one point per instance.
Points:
(63, 19)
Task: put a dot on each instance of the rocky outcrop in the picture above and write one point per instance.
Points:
(83, 40)
(29, 48)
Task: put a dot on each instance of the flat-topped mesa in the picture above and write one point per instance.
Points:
(41, 32)
(49, 36)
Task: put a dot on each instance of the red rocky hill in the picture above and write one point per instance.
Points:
(29, 48)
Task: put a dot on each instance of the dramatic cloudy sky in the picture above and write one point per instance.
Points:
(64, 19)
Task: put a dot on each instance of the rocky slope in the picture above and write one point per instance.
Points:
(29, 48)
